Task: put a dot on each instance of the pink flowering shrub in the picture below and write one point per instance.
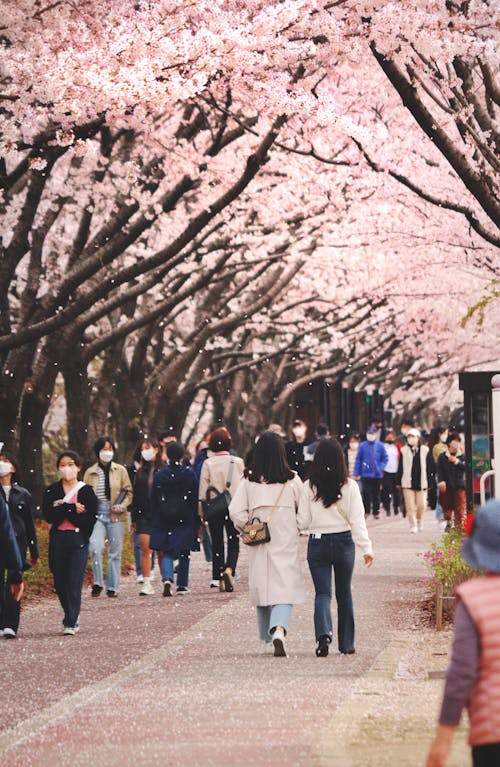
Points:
(445, 563)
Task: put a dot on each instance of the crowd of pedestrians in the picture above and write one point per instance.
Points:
(173, 507)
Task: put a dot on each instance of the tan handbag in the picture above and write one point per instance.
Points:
(255, 532)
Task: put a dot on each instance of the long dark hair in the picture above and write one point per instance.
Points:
(16, 479)
(269, 461)
(328, 472)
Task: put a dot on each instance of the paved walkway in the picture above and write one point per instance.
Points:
(183, 681)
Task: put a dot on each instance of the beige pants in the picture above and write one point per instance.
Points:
(415, 501)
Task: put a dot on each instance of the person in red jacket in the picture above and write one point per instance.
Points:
(473, 677)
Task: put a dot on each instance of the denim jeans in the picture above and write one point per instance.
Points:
(333, 550)
(104, 529)
(167, 568)
(270, 616)
(69, 551)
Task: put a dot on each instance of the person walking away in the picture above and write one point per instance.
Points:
(10, 556)
(111, 484)
(473, 676)
(451, 481)
(295, 449)
(271, 491)
(337, 523)
(369, 466)
(219, 469)
(174, 518)
(140, 507)
(200, 456)
(70, 507)
(436, 445)
(390, 490)
(20, 506)
(413, 477)
(320, 434)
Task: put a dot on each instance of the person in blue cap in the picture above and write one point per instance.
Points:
(473, 677)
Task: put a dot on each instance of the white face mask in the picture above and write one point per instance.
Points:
(354, 445)
(106, 456)
(371, 437)
(443, 437)
(5, 468)
(299, 431)
(148, 454)
(412, 441)
(68, 472)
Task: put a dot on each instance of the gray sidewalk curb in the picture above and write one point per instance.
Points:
(374, 728)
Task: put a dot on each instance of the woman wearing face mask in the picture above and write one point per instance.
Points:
(451, 481)
(295, 455)
(140, 508)
(414, 475)
(70, 507)
(20, 507)
(111, 484)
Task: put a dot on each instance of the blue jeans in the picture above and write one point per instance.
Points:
(333, 550)
(104, 529)
(167, 568)
(69, 551)
(270, 616)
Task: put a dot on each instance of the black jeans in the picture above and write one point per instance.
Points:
(486, 756)
(333, 550)
(371, 494)
(216, 526)
(68, 554)
(390, 492)
(10, 610)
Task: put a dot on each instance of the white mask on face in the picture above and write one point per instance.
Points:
(354, 445)
(5, 468)
(444, 437)
(371, 437)
(412, 441)
(68, 472)
(299, 431)
(148, 454)
(106, 456)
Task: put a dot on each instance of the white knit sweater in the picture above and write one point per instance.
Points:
(331, 520)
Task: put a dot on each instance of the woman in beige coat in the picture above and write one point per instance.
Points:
(271, 491)
(221, 471)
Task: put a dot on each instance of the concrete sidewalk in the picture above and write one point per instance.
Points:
(184, 680)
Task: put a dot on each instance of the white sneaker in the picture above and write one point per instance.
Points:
(152, 576)
(147, 588)
(419, 525)
(279, 643)
(71, 630)
(413, 529)
(139, 579)
(9, 634)
(214, 584)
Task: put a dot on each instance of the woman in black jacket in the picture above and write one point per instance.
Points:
(71, 508)
(20, 506)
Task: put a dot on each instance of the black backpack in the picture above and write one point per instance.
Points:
(174, 504)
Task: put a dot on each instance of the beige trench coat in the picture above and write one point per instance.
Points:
(274, 570)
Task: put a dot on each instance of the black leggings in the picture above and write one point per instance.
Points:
(217, 525)
(486, 756)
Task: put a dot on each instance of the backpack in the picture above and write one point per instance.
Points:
(173, 504)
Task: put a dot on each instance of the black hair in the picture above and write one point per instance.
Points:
(17, 472)
(269, 462)
(69, 454)
(175, 452)
(328, 472)
(99, 444)
(453, 436)
(321, 430)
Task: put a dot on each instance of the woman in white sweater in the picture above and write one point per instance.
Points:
(337, 524)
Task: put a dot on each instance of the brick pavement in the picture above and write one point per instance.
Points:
(183, 681)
